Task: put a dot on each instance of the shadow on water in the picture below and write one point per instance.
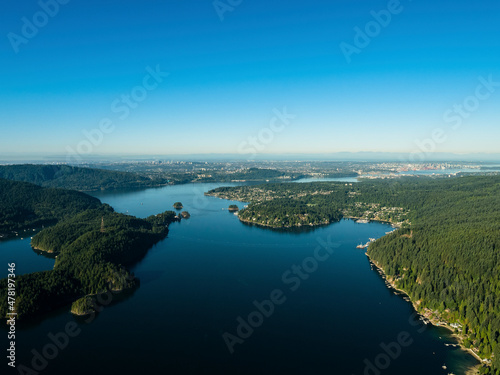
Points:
(107, 300)
(102, 303)
(150, 276)
(29, 323)
(26, 324)
(120, 192)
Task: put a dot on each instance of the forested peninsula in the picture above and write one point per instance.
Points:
(285, 205)
(445, 256)
(91, 243)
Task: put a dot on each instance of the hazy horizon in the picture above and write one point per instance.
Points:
(21, 158)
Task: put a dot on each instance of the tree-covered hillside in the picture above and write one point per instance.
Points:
(449, 261)
(24, 205)
(91, 242)
(76, 178)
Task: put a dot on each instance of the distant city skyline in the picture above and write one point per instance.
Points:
(375, 157)
(257, 78)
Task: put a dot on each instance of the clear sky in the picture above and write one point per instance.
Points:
(232, 65)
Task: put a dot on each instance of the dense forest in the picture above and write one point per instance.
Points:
(76, 178)
(24, 205)
(449, 261)
(446, 255)
(91, 241)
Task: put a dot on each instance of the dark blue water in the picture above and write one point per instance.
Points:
(18, 251)
(333, 316)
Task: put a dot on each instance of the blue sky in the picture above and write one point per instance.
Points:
(227, 77)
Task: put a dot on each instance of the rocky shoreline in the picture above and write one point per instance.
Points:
(428, 317)
(42, 250)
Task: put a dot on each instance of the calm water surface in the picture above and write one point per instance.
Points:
(201, 281)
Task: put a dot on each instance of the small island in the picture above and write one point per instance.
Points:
(185, 215)
(233, 208)
(178, 205)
